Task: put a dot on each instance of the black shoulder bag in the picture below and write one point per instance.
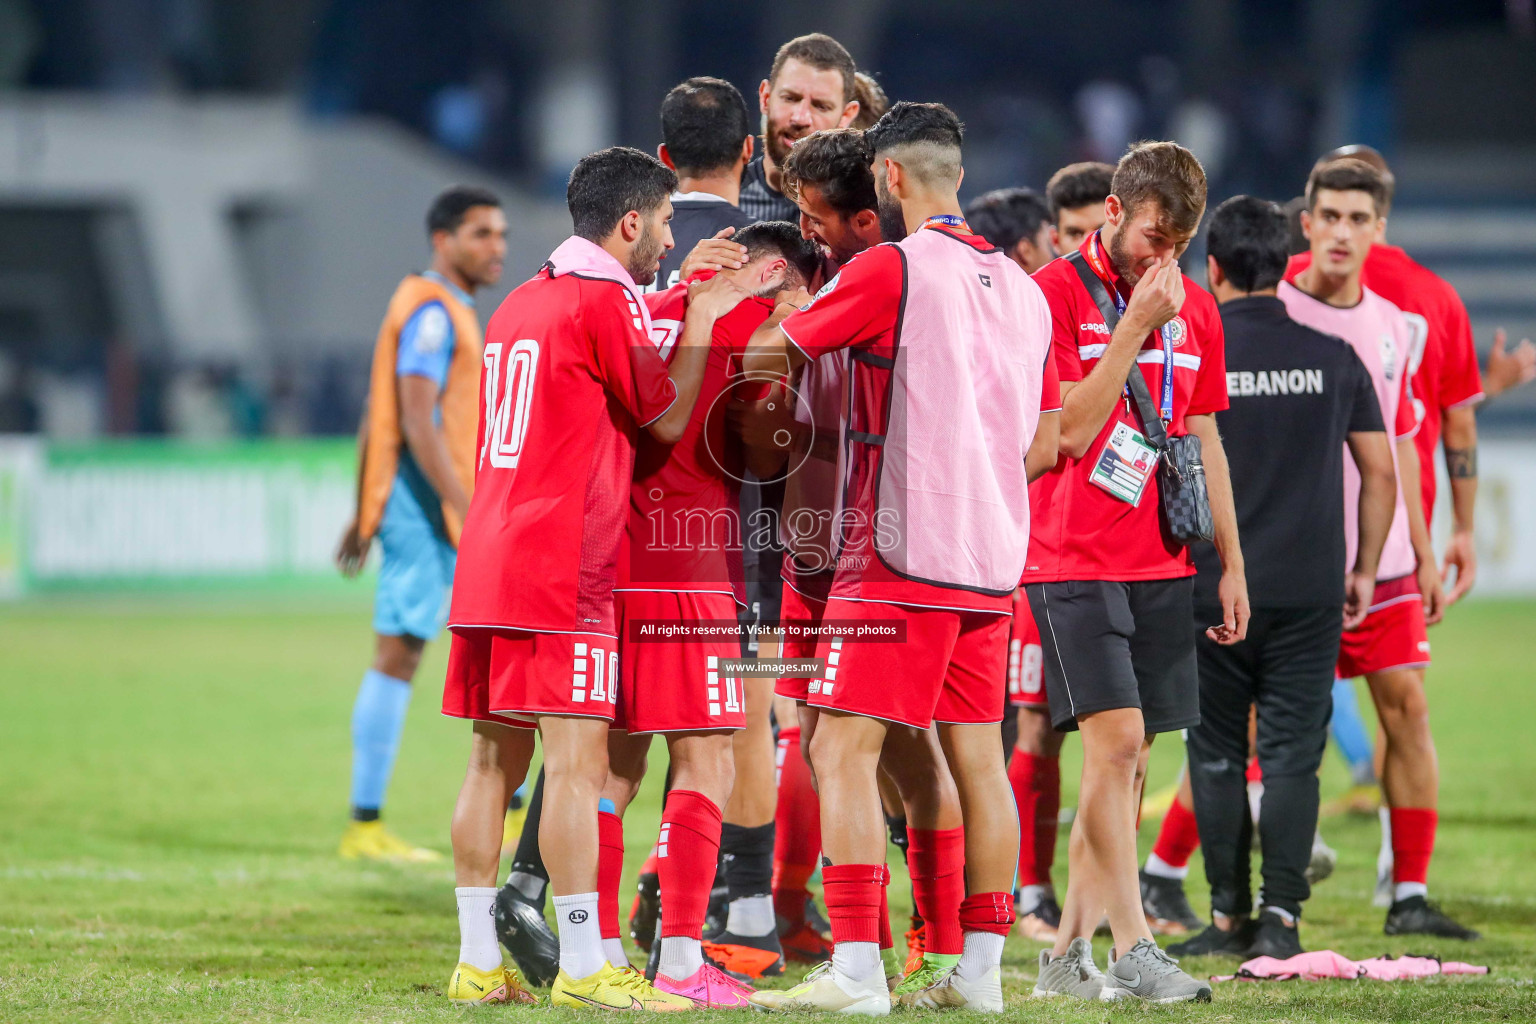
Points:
(1180, 473)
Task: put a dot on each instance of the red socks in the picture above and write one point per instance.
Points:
(855, 895)
(687, 851)
(797, 829)
(1037, 791)
(1413, 842)
(936, 861)
(987, 912)
(1179, 836)
(610, 871)
(883, 926)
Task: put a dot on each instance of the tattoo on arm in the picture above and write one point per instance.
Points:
(1461, 463)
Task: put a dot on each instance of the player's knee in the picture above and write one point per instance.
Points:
(1036, 737)
(398, 656)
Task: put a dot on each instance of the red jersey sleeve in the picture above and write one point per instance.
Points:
(1408, 418)
(859, 305)
(626, 360)
(1460, 381)
(1061, 294)
(1210, 392)
(1050, 385)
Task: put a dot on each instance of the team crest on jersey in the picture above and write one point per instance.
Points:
(1388, 345)
(1178, 331)
(831, 283)
(431, 330)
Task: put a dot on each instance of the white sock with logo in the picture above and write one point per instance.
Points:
(581, 941)
(613, 949)
(681, 957)
(982, 952)
(477, 928)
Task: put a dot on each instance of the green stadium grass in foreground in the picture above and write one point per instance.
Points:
(173, 784)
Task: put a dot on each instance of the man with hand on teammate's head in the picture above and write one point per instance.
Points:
(571, 375)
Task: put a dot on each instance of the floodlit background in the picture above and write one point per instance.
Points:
(204, 207)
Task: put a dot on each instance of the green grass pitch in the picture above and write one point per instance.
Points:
(173, 779)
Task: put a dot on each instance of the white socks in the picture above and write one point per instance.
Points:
(581, 941)
(1384, 855)
(1406, 890)
(1162, 869)
(1030, 897)
(982, 952)
(856, 960)
(477, 928)
(613, 949)
(681, 957)
(751, 916)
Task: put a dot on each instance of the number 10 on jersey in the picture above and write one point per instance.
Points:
(508, 399)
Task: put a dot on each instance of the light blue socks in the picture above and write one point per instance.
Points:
(1349, 732)
(377, 719)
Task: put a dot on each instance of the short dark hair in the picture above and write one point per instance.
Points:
(873, 102)
(703, 122)
(606, 185)
(1349, 175)
(447, 211)
(1365, 154)
(781, 238)
(1006, 215)
(1164, 173)
(821, 52)
(836, 163)
(1250, 241)
(1078, 185)
(907, 122)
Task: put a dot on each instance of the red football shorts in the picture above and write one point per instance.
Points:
(1393, 634)
(671, 685)
(949, 668)
(512, 676)
(797, 611)
(1026, 661)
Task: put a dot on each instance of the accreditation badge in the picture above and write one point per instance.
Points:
(1125, 464)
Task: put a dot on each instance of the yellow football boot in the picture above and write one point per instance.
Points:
(502, 985)
(614, 988)
(370, 840)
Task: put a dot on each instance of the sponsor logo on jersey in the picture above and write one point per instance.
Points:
(1388, 345)
(1094, 328)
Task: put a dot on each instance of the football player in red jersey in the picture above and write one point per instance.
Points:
(683, 569)
(949, 663)
(570, 377)
(830, 178)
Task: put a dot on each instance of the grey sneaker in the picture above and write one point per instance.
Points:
(1146, 972)
(1072, 974)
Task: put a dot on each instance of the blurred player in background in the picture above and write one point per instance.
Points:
(416, 457)
(873, 102)
(1347, 201)
(1017, 221)
(1076, 195)
(812, 85)
(571, 376)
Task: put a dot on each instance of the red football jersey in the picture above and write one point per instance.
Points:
(860, 309)
(1080, 531)
(569, 373)
(684, 505)
(1444, 358)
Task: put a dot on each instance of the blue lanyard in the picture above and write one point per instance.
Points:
(1167, 335)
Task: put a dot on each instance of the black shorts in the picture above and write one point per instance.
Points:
(1119, 645)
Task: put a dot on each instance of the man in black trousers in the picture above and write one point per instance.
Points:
(1285, 442)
